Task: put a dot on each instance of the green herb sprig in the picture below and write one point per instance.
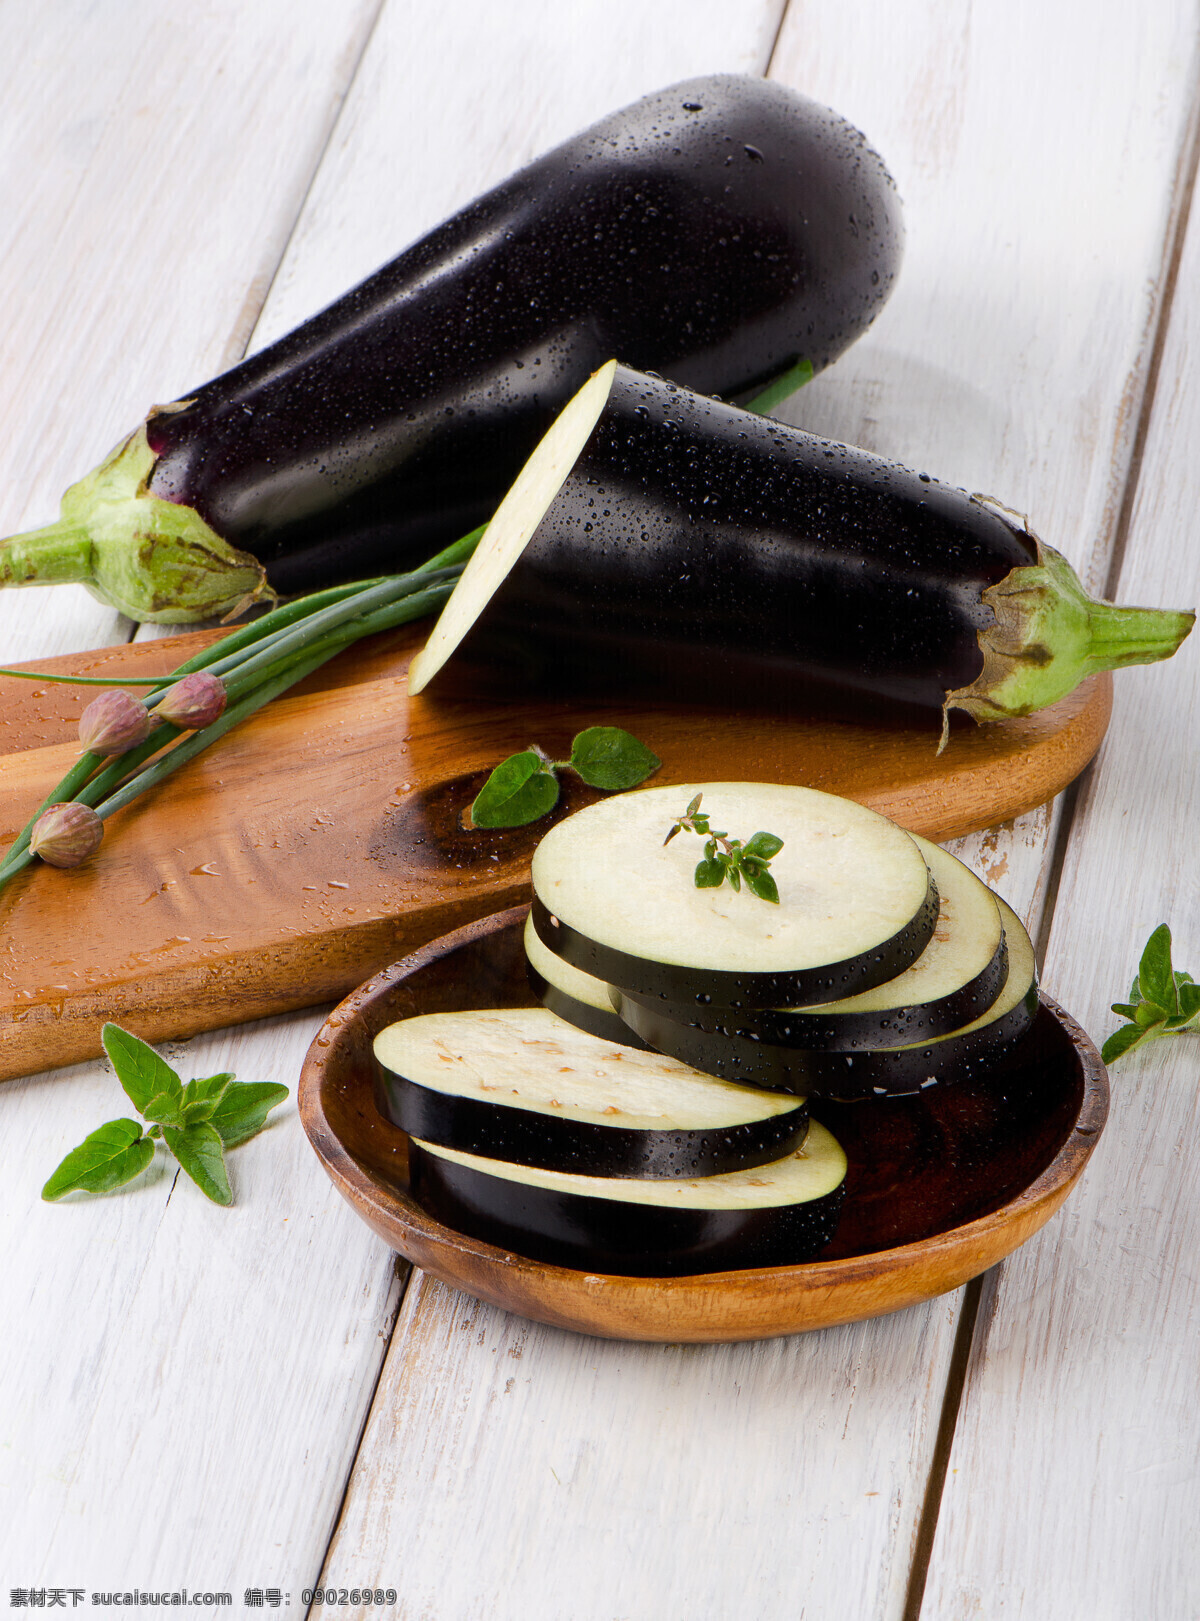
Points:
(1162, 1001)
(255, 663)
(197, 1122)
(730, 858)
(525, 786)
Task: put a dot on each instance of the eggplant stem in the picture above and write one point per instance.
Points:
(784, 386)
(1048, 635)
(59, 554)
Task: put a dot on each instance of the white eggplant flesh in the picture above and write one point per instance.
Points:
(579, 998)
(735, 1053)
(520, 1084)
(778, 1214)
(856, 901)
(956, 978)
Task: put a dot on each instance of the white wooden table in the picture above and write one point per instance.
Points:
(262, 1397)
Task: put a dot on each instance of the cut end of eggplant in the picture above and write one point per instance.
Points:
(516, 519)
(856, 903)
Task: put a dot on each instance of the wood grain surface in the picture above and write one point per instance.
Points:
(242, 1397)
(324, 838)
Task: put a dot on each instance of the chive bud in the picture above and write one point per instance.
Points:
(113, 723)
(66, 834)
(194, 702)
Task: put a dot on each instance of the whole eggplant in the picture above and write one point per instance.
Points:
(723, 231)
(693, 550)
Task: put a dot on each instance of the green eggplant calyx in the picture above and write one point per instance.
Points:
(1049, 635)
(149, 558)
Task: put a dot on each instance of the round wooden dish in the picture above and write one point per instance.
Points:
(940, 1186)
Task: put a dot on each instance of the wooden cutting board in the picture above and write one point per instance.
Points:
(323, 840)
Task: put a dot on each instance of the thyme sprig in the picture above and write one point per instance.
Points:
(730, 858)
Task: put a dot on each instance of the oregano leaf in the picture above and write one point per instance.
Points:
(107, 1158)
(244, 1108)
(520, 790)
(201, 1097)
(759, 882)
(1154, 972)
(166, 1109)
(199, 1151)
(140, 1070)
(609, 758)
(1122, 1041)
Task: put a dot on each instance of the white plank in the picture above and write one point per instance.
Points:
(629, 1480)
(152, 163)
(1082, 1392)
(186, 1385)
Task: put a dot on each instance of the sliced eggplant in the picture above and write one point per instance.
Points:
(856, 902)
(518, 1084)
(956, 978)
(687, 549)
(573, 995)
(735, 1053)
(775, 1215)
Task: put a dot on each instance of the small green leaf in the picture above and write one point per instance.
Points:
(710, 874)
(606, 757)
(140, 1070)
(1189, 1000)
(1122, 1041)
(1127, 1010)
(106, 1159)
(764, 845)
(1147, 1014)
(165, 1110)
(694, 806)
(735, 878)
(244, 1109)
(198, 1150)
(201, 1097)
(1154, 971)
(518, 791)
(759, 882)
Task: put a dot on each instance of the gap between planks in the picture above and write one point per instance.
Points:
(965, 1347)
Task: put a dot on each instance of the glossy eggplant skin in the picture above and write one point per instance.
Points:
(846, 1032)
(718, 231)
(736, 1054)
(525, 1137)
(599, 1235)
(675, 984)
(702, 552)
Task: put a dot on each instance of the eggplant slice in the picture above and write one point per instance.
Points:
(579, 998)
(776, 1215)
(857, 904)
(518, 1084)
(956, 978)
(735, 1054)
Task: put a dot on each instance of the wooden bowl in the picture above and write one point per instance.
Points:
(940, 1186)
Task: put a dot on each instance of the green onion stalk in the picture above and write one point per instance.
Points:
(251, 666)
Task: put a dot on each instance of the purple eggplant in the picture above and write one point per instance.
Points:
(725, 232)
(658, 541)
